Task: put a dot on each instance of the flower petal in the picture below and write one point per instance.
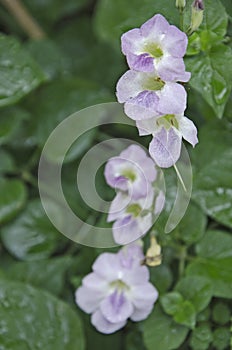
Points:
(118, 207)
(142, 63)
(143, 295)
(188, 130)
(175, 42)
(88, 299)
(104, 326)
(172, 69)
(142, 106)
(129, 85)
(165, 147)
(131, 41)
(173, 99)
(141, 314)
(146, 126)
(155, 26)
(108, 266)
(126, 232)
(116, 307)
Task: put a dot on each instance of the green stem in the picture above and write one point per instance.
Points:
(183, 255)
(181, 11)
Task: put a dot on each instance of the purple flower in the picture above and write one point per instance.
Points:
(134, 218)
(117, 289)
(157, 46)
(167, 132)
(145, 95)
(132, 171)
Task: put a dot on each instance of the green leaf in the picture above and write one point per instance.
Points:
(32, 236)
(212, 76)
(20, 74)
(34, 319)
(215, 18)
(171, 302)
(162, 333)
(192, 227)
(49, 11)
(215, 244)
(12, 200)
(58, 100)
(196, 289)
(10, 121)
(213, 188)
(84, 49)
(221, 313)
(162, 277)
(221, 338)
(114, 18)
(45, 274)
(7, 162)
(182, 310)
(217, 271)
(201, 337)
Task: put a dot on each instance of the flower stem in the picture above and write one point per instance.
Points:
(181, 11)
(24, 18)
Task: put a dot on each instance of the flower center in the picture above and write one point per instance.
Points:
(167, 121)
(153, 84)
(129, 174)
(154, 50)
(134, 209)
(119, 285)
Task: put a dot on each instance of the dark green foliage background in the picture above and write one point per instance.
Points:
(44, 81)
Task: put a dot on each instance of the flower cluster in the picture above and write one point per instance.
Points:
(137, 201)
(117, 289)
(152, 90)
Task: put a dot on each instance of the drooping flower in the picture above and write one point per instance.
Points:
(168, 132)
(145, 95)
(134, 218)
(157, 47)
(117, 289)
(132, 171)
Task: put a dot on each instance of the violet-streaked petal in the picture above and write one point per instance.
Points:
(104, 326)
(155, 27)
(141, 63)
(134, 153)
(126, 232)
(116, 307)
(145, 223)
(142, 106)
(131, 255)
(165, 147)
(88, 299)
(188, 130)
(175, 41)
(173, 99)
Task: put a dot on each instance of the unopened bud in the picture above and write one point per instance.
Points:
(197, 15)
(180, 4)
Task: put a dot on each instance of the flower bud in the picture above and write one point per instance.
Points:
(180, 4)
(197, 15)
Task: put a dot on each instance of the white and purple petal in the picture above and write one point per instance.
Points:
(104, 326)
(165, 147)
(188, 130)
(116, 307)
(173, 99)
